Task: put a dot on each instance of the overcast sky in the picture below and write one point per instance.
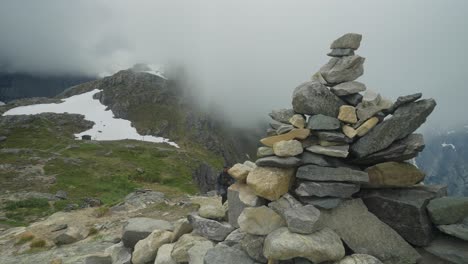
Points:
(247, 55)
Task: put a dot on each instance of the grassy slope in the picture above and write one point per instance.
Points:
(105, 170)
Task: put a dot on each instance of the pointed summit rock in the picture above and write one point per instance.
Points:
(347, 41)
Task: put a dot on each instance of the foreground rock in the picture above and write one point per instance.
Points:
(348, 88)
(450, 249)
(270, 183)
(139, 228)
(227, 255)
(405, 121)
(341, 174)
(182, 246)
(119, 254)
(253, 246)
(364, 233)
(198, 251)
(146, 249)
(448, 210)
(241, 196)
(404, 210)
(259, 220)
(393, 174)
(210, 229)
(324, 245)
(97, 259)
(359, 259)
(313, 98)
(163, 255)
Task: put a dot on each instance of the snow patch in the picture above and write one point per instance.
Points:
(2, 103)
(445, 145)
(450, 132)
(156, 70)
(106, 126)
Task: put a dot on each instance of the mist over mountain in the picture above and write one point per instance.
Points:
(239, 53)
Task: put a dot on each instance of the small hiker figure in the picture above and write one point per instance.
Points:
(223, 182)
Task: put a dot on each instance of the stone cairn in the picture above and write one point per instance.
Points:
(332, 184)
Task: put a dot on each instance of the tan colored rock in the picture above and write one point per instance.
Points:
(239, 172)
(293, 134)
(182, 246)
(181, 227)
(260, 220)
(297, 121)
(270, 183)
(349, 131)
(146, 249)
(288, 148)
(324, 245)
(348, 114)
(393, 174)
(367, 126)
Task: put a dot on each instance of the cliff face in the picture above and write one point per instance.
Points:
(18, 85)
(445, 160)
(159, 107)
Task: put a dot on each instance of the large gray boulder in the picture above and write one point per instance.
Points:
(279, 162)
(321, 246)
(448, 210)
(323, 122)
(139, 228)
(347, 41)
(451, 249)
(234, 238)
(322, 202)
(404, 210)
(211, 229)
(345, 69)
(341, 174)
(326, 189)
(314, 98)
(253, 246)
(302, 219)
(340, 52)
(364, 233)
(405, 121)
(227, 255)
(400, 150)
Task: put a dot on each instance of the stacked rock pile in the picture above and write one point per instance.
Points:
(332, 184)
(337, 167)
